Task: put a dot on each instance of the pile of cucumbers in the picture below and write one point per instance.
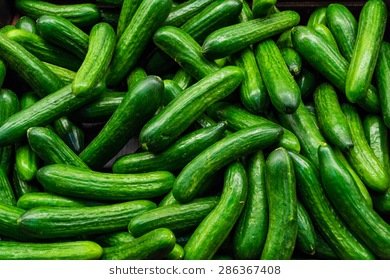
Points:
(199, 129)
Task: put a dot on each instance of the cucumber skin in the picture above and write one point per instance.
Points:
(26, 162)
(293, 60)
(306, 236)
(26, 23)
(64, 74)
(128, 9)
(7, 195)
(185, 11)
(37, 199)
(260, 8)
(383, 81)
(318, 16)
(79, 182)
(57, 222)
(72, 135)
(9, 216)
(215, 228)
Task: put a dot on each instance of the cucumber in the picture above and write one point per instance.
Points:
(44, 111)
(185, 11)
(3, 72)
(361, 156)
(50, 148)
(58, 222)
(79, 182)
(136, 75)
(307, 82)
(148, 17)
(21, 187)
(252, 226)
(193, 176)
(8, 221)
(63, 33)
(382, 77)
(181, 47)
(176, 217)
(214, 229)
(7, 195)
(282, 89)
(111, 16)
(349, 203)
(175, 157)
(343, 25)
(327, 35)
(82, 15)
(168, 199)
(26, 23)
(306, 236)
(331, 119)
(371, 29)
(284, 40)
(320, 209)
(382, 202)
(153, 245)
(38, 199)
(163, 129)
(177, 253)
(260, 8)
(182, 78)
(171, 90)
(66, 75)
(282, 206)
(137, 107)
(113, 239)
(318, 16)
(293, 60)
(96, 62)
(71, 250)
(128, 9)
(26, 162)
(236, 37)
(71, 134)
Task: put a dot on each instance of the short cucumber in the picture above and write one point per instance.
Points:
(382, 76)
(26, 23)
(128, 9)
(136, 75)
(317, 16)
(306, 236)
(175, 157)
(137, 107)
(7, 195)
(56, 222)
(71, 250)
(193, 176)
(70, 133)
(176, 217)
(293, 60)
(260, 8)
(371, 28)
(26, 162)
(163, 129)
(9, 216)
(185, 11)
(233, 38)
(331, 119)
(39, 199)
(214, 229)
(282, 89)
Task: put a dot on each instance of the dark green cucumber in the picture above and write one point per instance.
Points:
(318, 16)
(177, 253)
(136, 75)
(26, 162)
(153, 245)
(79, 182)
(57, 222)
(320, 209)
(168, 199)
(327, 35)
(39, 199)
(323, 250)
(382, 202)
(185, 11)
(306, 236)
(26, 23)
(85, 14)
(70, 133)
(252, 226)
(7, 195)
(175, 157)
(293, 60)
(114, 239)
(307, 82)
(236, 37)
(261, 8)
(71, 250)
(282, 89)
(284, 40)
(176, 217)
(163, 129)
(343, 25)
(350, 205)
(193, 176)
(3, 72)
(44, 50)
(44, 111)
(180, 46)
(137, 107)
(128, 9)
(214, 229)
(182, 78)
(50, 147)
(22, 187)
(64, 74)
(148, 17)
(171, 90)
(331, 119)
(361, 156)
(282, 206)
(63, 33)
(371, 28)
(9, 216)
(29, 67)
(383, 80)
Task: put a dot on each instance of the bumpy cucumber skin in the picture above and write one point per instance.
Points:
(307, 82)
(113, 239)
(181, 13)
(37, 199)
(64, 74)
(9, 216)
(215, 228)
(7, 195)
(383, 81)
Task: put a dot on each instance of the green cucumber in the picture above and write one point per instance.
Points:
(26, 23)
(148, 17)
(382, 202)
(181, 47)
(63, 33)
(284, 40)
(177, 253)
(136, 75)
(327, 35)
(79, 182)
(96, 62)
(193, 176)
(44, 111)
(114, 239)
(371, 28)
(331, 119)
(182, 78)
(153, 245)
(80, 14)
(71, 250)
(307, 82)
(214, 229)
(26, 162)
(38, 199)
(171, 90)
(176, 217)
(260, 8)
(320, 209)
(306, 236)
(293, 60)
(361, 156)
(350, 205)
(282, 206)
(343, 25)
(175, 157)
(383, 80)
(58, 222)
(252, 226)
(318, 16)
(51, 148)
(137, 107)
(282, 89)
(66, 75)
(233, 38)
(323, 250)
(163, 129)
(9, 216)
(110, 16)
(185, 11)
(22, 187)
(3, 72)
(7, 195)
(70, 133)
(128, 9)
